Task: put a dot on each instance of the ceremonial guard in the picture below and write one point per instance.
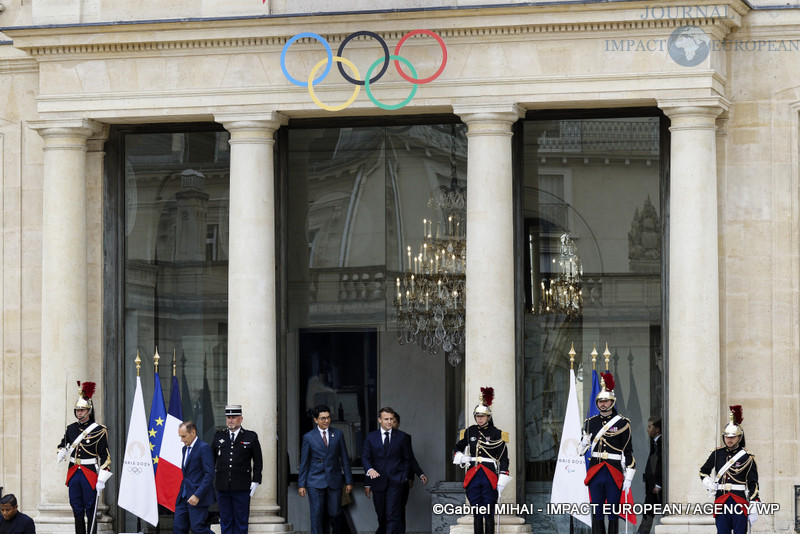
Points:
(483, 450)
(731, 476)
(612, 466)
(237, 471)
(85, 446)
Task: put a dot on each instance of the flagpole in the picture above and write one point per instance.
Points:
(138, 361)
(571, 368)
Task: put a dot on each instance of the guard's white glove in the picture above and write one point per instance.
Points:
(502, 480)
(709, 484)
(100, 486)
(458, 458)
(62, 455)
(253, 486)
(586, 442)
(629, 474)
(752, 516)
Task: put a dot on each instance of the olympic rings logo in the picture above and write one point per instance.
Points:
(368, 79)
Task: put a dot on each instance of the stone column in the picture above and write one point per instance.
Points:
(694, 354)
(252, 327)
(64, 357)
(490, 334)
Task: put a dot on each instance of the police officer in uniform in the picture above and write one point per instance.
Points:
(237, 472)
(612, 466)
(731, 475)
(85, 446)
(483, 450)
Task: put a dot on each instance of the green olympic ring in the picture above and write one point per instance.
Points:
(375, 100)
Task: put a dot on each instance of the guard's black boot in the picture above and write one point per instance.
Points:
(613, 527)
(489, 519)
(598, 526)
(477, 524)
(80, 525)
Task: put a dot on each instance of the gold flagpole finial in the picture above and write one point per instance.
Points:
(607, 356)
(594, 357)
(173, 362)
(156, 357)
(572, 356)
(138, 361)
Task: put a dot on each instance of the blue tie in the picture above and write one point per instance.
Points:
(186, 456)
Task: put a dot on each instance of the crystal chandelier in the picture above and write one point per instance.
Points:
(563, 294)
(429, 294)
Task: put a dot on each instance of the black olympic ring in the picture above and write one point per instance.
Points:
(385, 54)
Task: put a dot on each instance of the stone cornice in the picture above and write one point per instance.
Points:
(181, 37)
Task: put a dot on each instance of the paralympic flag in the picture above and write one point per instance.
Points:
(568, 485)
(169, 474)
(137, 486)
(158, 414)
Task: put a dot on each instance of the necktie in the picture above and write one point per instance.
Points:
(386, 441)
(232, 437)
(186, 456)
(325, 437)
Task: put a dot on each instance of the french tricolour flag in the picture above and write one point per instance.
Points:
(169, 475)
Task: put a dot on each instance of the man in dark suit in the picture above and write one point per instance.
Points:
(323, 459)
(238, 471)
(415, 469)
(196, 493)
(652, 473)
(387, 460)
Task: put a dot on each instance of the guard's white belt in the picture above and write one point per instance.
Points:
(84, 461)
(729, 487)
(606, 456)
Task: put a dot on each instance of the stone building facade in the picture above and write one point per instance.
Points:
(709, 260)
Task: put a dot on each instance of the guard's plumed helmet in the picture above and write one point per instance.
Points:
(85, 392)
(734, 426)
(484, 402)
(606, 389)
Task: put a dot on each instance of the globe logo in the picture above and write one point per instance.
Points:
(688, 46)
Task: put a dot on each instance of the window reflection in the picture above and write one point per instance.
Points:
(176, 269)
(599, 180)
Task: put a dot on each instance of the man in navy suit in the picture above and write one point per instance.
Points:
(197, 492)
(323, 459)
(414, 469)
(387, 461)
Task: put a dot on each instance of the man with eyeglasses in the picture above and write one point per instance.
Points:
(324, 469)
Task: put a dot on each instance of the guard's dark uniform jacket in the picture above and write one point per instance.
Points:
(611, 448)
(233, 471)
(740, 481)
(484, 442)
(91, 454)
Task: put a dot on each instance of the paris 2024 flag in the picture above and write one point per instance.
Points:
(570, 493)
(137, 485)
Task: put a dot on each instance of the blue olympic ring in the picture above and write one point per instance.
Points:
(327, 49)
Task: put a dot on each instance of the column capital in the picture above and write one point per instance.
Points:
(505, 114)
(694, 113)
(244, 125)
(49, 128)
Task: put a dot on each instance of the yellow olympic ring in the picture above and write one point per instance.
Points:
(311, 85)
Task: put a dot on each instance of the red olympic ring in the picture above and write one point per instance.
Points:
(435, 74)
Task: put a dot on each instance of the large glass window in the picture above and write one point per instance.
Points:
(175, 297)
(599, 181)
(357, 198)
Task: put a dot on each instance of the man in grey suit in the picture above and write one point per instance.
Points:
(323, 461)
